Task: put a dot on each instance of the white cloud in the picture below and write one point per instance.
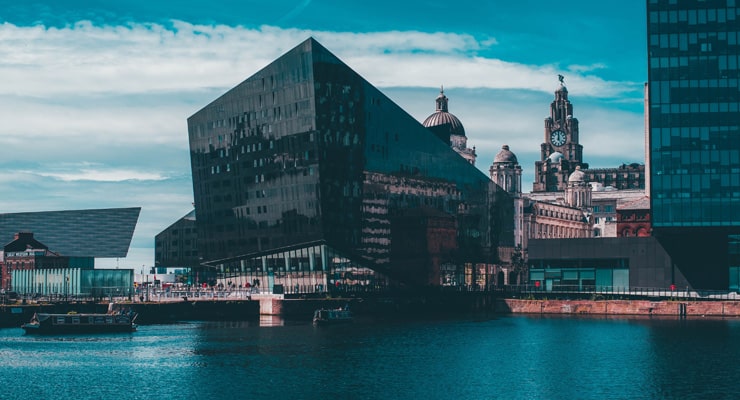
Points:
(150, 57)
(103, 176)
(93, 119)
(586, 68)
(95, 116)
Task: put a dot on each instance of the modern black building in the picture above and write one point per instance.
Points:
(694, 136)
(303, 171)
(602, 264)
(177, 246)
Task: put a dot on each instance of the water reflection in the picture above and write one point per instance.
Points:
(508, 357)
(694, 358)
(271, 320)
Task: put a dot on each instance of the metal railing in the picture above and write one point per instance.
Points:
(607, 292)
(526, 291)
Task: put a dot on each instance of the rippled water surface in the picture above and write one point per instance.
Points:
(468, 358)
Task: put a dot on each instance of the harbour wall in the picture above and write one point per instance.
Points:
(460, 304)
(620, 307)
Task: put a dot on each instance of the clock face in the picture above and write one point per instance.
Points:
(557, 137)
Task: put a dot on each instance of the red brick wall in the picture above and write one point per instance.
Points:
(619, 307)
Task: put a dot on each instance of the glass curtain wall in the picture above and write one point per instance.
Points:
(694, 95)
(305, 270)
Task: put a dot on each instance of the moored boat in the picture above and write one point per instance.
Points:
(324, 316)
(43, 323)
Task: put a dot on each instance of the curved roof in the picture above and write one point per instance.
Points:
(505, 155)
(443, 117)
(556, 157)
(577, 175)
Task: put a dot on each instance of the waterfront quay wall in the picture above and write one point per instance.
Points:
(180, 309)
(148, 312)
(619, 307)
(200, 310)
(446, 304)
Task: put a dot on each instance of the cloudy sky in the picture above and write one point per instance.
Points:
(94, 95)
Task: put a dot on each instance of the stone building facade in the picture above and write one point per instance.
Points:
(20, 254)
(561, 153)
(633, 218)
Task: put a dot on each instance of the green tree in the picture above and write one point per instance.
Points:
(518, 264)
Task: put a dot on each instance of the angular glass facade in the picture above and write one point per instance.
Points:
(177, 246)
(100, 233)
(306, 151)
(694, 133)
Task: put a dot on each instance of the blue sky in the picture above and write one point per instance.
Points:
(94, 95)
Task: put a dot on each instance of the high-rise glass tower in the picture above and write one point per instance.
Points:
(694, 135)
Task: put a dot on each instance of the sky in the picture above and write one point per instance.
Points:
(95, 95)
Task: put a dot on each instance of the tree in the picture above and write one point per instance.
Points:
(518, 264)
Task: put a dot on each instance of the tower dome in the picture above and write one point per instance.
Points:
(578, 192)
(556, 157)
(442, 117)
(577, 176)
(505, 155)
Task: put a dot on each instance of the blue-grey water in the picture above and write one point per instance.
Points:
(514, 357)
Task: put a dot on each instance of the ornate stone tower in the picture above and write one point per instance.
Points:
(578, 190)
(507, 173)
(560, 153)
(447, 127)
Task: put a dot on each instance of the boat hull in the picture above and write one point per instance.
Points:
(52, 324)
(332, 317)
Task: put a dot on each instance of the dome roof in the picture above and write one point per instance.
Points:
(505, 155)
(556, 157)
(577, 175)
(443, 117)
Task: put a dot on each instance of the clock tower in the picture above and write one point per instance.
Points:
(560, 153)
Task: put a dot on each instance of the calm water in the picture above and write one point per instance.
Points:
(504, 358)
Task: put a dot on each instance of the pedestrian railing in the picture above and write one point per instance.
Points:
(529, 291)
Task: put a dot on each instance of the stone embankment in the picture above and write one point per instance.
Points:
(447, 304)
(620, 307)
